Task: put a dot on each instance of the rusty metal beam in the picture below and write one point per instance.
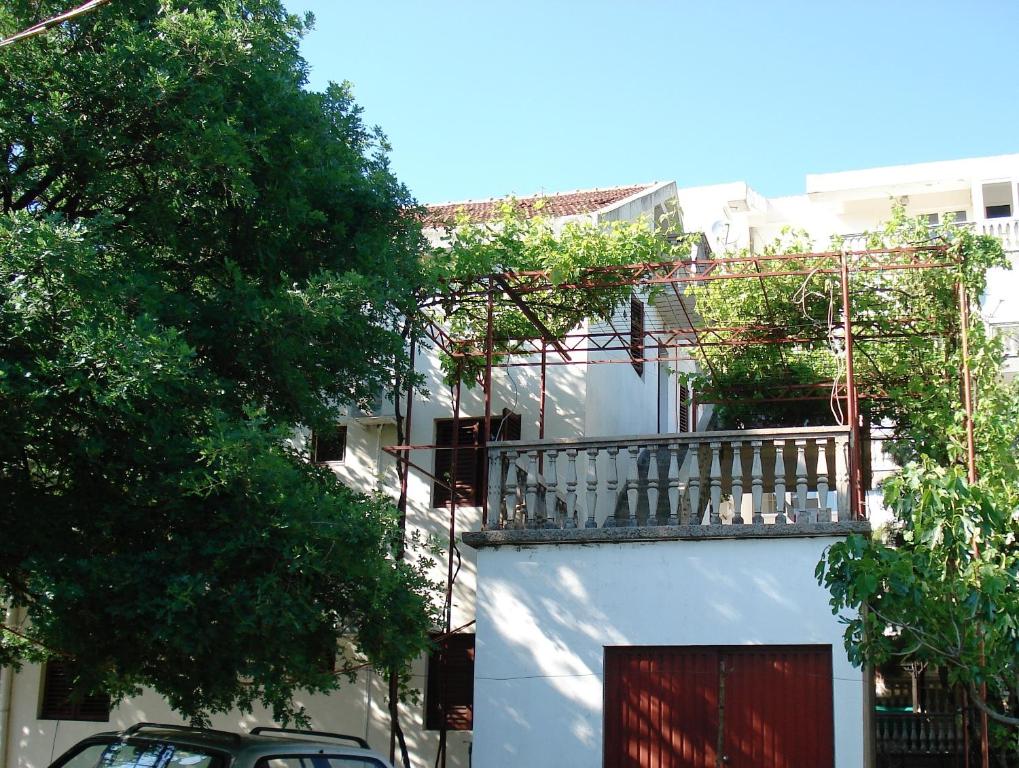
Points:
(536, 321)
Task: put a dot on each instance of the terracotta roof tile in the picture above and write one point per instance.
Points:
(562, 204)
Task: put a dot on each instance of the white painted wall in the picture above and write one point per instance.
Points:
(547, 612)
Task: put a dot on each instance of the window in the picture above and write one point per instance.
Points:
(470, 457)
(997, 199)
(60, 701)
(684, 408)
(320, 761)
(946, 217)
(450, 692)
(138, 754)
(329, 446)
(637, 334)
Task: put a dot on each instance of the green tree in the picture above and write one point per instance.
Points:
(196, 255)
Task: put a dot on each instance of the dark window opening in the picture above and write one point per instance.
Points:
(330, 445)
(998, 211)
(61, 701)
(470, 457)
(637, 335)
(450, 694)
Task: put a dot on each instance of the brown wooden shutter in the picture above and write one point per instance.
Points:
(468, 463)
(637, 334)
(59, 701)
(471, 457)
(684, 408)
(450, 694)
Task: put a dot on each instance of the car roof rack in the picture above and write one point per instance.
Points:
(300, 732)
(169, 726)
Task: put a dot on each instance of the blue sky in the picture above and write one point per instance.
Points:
(486, 98)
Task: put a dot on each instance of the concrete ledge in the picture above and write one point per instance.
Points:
(539, 536)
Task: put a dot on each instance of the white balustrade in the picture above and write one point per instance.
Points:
(665, 474)
(1006, 229)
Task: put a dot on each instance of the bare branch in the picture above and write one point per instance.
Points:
(42, 26)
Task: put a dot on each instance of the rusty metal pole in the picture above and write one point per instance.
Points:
(541, 406)
(453, 496)
(489, 344)
(403, 437)
(855, 475)
(541, 401)
(448, 609)
(971, 474)
(967, 385)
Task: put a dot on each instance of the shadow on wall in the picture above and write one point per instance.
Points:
(547, 620)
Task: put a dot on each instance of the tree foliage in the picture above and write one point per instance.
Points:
(197, 255)
(943, 589)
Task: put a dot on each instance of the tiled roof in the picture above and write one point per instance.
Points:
(561, 204)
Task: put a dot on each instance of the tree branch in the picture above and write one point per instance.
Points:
(992, 713)
(42, 26)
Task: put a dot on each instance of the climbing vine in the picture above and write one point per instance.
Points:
(516, 242)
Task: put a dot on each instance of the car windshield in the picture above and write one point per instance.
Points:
(138, 754)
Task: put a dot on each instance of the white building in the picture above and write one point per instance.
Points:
(584, 636)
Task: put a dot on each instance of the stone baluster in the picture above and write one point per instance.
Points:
(632, 480)
(592, 487)
(531, 510)
(551, 488)
(674, 497)
(511, 489)
(571, 487)
(694, 486)
(780, 516)
(716, 483)
(823, 510)
(802, 515)
(737, 483)
(612, 485)
(842, 476)
(756, 485)
(652, 486)
(494, 486)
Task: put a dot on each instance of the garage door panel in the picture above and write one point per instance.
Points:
(674, 706)
(778, 711)
(660, 707)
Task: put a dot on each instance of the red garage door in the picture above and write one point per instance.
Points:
(700, 707)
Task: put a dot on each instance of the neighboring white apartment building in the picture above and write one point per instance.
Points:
(983, 192)
(573, 623)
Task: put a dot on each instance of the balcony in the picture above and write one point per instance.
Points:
(1007, 229)
(755, 478)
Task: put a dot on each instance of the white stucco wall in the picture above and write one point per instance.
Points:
(548, 611)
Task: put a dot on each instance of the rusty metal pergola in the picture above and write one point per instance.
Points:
(680, 334)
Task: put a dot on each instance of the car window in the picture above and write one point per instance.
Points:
(155, 755)
(119, 754)
(88, 757)
(320, 761)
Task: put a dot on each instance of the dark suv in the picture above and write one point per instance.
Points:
(148, 745)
